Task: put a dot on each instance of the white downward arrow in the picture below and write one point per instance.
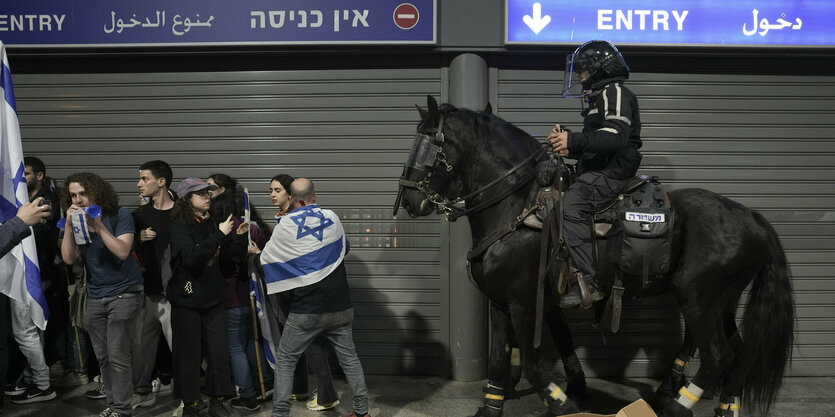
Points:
(538, 21)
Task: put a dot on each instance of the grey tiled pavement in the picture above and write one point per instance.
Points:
(395, 396)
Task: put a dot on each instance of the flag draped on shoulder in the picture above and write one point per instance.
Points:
(306, 246)
(20, 277)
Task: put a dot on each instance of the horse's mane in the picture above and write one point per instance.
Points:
(491, 127)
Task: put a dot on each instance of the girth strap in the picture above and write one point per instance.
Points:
(498, 234)
(543, 271)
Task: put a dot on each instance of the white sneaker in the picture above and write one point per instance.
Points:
(315, 405)
(179, 411)
(158, 388)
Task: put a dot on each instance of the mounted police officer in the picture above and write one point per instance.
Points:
(606, 151)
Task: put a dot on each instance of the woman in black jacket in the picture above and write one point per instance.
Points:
(197, 292)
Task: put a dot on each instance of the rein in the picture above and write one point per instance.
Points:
(458, 211)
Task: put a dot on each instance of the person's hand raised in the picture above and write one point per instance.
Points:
(34, 212)
(226, 226)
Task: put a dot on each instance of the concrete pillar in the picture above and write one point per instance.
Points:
(468, 88)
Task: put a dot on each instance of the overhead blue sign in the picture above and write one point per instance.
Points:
(672, 22)
(216, 22)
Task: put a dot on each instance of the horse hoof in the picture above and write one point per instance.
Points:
(557, 409)
(674, 409)
(487, 412)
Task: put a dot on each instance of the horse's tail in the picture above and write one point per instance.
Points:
(767, 327)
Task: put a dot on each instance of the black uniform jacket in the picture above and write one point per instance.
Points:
(611, 133)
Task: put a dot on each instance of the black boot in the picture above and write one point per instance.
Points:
(573, 298)
(217, 408)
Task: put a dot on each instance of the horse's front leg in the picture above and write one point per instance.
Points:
(574, 374)
(539, 368)
(499, 379)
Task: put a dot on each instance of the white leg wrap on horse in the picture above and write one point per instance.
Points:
(688, 396)
(515, 358)
(557, 393)
(732, 406)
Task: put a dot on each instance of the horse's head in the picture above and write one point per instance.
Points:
(431, 178)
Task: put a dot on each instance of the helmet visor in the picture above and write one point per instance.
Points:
(572, 85)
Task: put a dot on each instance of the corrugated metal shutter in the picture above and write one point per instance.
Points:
(348, 130)
(766, 141)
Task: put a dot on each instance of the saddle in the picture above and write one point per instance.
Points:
(636, 223)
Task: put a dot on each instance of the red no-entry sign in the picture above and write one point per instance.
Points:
(406, 16)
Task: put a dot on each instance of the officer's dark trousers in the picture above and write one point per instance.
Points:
(589, 192)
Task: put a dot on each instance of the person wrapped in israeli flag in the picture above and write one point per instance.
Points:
(307, 245)
(20, 277)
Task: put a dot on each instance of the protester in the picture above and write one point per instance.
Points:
(153, 227)
(325, 397)
(53, 282)
(12, 232)
(198, 292)
(34, 385)
(228, 199)
(320, 301)
(114, 281)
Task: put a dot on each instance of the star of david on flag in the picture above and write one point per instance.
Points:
(303, 251)
(305, 230)
(20, 276)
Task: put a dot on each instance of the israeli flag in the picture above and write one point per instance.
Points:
(306, 246)
(20, 277)
(266, 318)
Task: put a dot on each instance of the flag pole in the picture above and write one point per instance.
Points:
(78, 343)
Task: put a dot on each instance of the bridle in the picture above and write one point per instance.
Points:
(456, 207)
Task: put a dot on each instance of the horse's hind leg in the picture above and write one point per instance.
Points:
(676, 378)
(574, 375)
(729, 399)
(538, 367)
(707, 327)
(499, 378)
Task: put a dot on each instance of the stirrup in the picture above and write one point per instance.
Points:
(584, 294)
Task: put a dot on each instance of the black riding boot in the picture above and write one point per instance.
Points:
(573, 298)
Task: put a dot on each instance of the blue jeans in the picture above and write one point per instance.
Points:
(299, 332)
(239, 329)
(111, 322)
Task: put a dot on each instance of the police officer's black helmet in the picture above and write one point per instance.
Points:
(600, 59)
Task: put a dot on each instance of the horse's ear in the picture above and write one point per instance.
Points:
(431, 105)
(488, 108)
(423, 113)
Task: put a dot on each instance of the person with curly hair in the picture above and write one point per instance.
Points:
(114, 282)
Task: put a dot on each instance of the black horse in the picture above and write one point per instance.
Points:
(719, 247)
